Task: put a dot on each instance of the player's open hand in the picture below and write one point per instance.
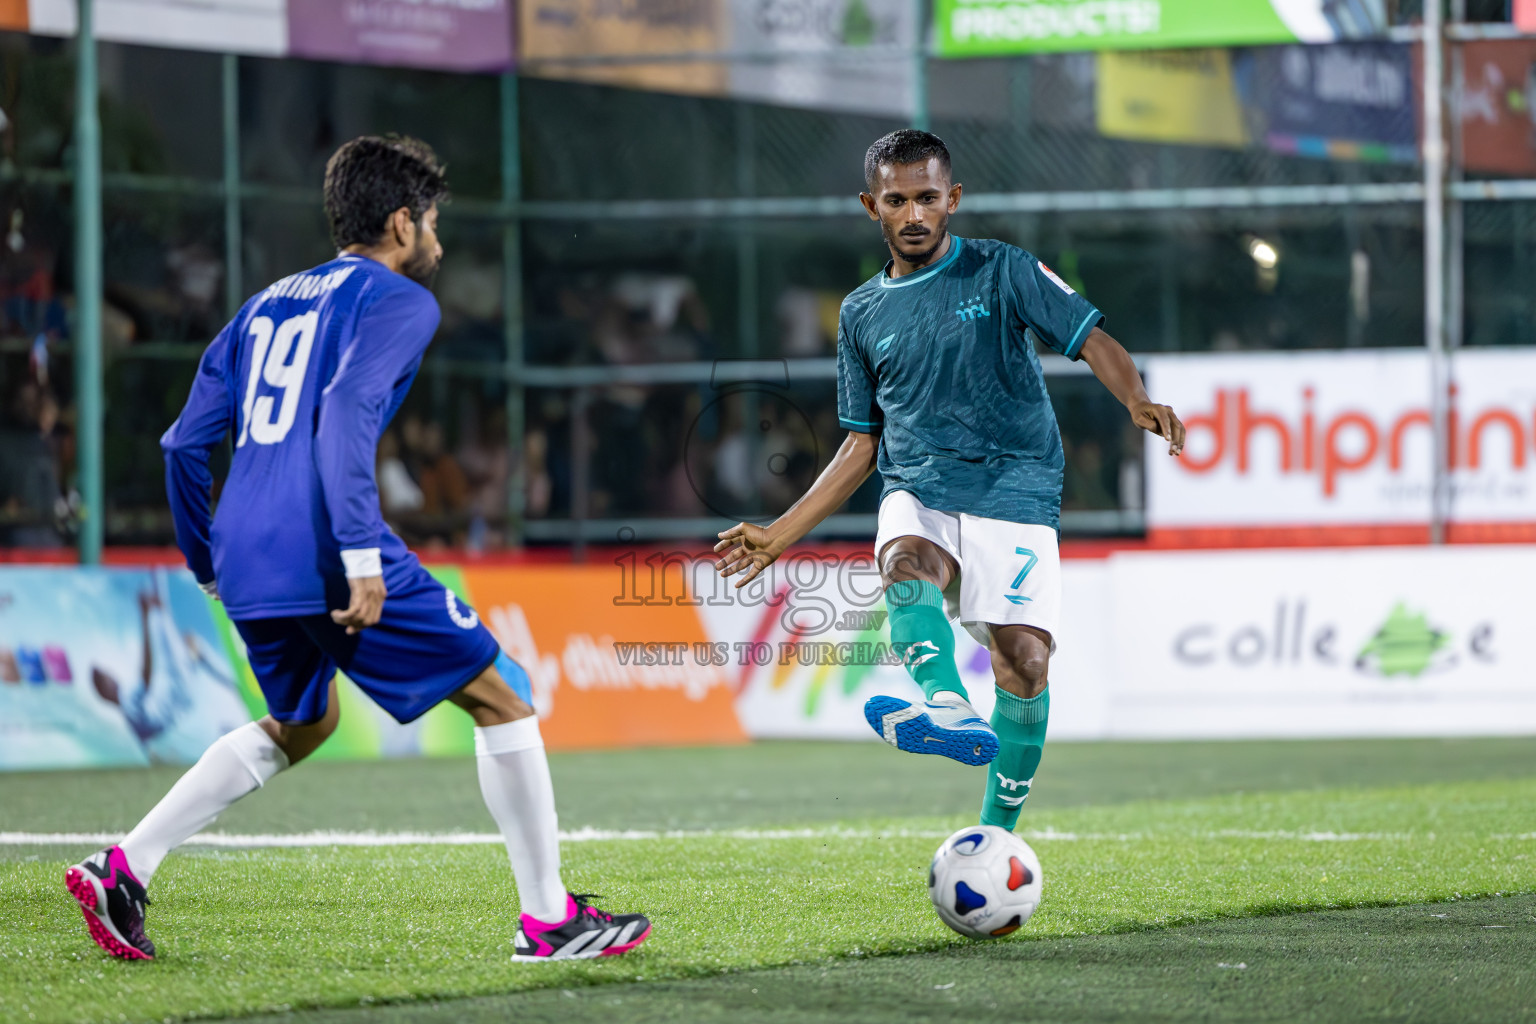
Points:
(367, 605)
(747, 548)
(1162, 421)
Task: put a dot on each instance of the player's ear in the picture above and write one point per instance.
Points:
(954, 196)
(869, 205)
(404, 227)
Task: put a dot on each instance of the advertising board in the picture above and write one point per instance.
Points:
(1336, 446)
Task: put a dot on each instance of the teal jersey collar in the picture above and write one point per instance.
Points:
(927, 273)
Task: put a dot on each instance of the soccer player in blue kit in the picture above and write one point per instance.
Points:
(941, 391)
(305, 379)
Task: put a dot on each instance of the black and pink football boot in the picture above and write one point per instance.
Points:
(585, 932)
(113, 903)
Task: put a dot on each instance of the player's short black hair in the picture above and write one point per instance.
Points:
(371, 177)
(903, 146)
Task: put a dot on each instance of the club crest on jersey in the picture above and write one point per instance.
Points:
(461, 620)
(973, 309)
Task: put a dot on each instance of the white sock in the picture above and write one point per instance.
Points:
(237, 763)
(514, 779)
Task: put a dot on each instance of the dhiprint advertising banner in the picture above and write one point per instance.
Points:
(1336, 446)
(979, 28)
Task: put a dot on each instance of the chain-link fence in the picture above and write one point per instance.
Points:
(640, 291)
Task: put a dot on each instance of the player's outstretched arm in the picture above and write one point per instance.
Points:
(203, 424)
(1113, 365)
(749, 548)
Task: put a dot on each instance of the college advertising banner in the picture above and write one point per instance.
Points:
(1365, 642)
(1335, 447)
(977, 28)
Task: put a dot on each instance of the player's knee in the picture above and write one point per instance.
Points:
(1025, 662)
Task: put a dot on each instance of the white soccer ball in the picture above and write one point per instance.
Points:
(985, 882)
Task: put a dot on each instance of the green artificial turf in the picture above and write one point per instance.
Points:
(1466, 961)
(242, 931)
(773, 783)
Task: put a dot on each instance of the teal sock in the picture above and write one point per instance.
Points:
(920, 633)
(1020, 727)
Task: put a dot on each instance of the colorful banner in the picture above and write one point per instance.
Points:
(552, 29)
(1170, 96)
(1349, 101)
(113, 667)
(1309, 445)
(852, 55)
(110, 667)
(1498, 106)
(257, 27)
(451, 35)
(13, 15)
(978, 28)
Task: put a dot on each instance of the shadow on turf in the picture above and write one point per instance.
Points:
(1468, 961)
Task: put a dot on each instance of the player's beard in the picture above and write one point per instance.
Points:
(940, 233)
(421, 266)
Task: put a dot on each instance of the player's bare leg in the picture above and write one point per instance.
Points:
(916, 571)
(110, 886)
(515, 782)
(1021, 658)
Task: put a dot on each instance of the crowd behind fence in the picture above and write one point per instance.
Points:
(610, 250)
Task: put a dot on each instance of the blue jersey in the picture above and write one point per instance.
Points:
(941, 364)
(305, 379)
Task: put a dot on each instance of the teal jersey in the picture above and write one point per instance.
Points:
(941, 365)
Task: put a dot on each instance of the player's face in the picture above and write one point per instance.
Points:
(913, 203)
(427, 254)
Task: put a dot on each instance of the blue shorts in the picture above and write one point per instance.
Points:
(426, 646)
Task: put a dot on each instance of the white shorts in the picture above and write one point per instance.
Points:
(1010, 573)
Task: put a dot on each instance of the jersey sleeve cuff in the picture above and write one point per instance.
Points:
(859, 426)
(1092, 320)
(361, 563)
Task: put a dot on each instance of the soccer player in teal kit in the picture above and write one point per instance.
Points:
(940, 389)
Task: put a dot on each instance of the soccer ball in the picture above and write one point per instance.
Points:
(985, 882)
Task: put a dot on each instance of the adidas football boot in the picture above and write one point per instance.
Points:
(113, 903)
(586, 932)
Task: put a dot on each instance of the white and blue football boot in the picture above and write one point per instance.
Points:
(949, 726)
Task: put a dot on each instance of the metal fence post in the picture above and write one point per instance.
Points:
(512, 305)
(88, 274)
(1434, 263)
(234, 242)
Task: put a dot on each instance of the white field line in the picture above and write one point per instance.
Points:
(226, 840)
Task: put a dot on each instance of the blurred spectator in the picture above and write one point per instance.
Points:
(1085, 486)
(398, 493)
(482, 456)
(31, 499)
(808, 322)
